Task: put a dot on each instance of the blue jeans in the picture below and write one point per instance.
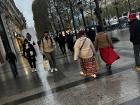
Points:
(137, 54)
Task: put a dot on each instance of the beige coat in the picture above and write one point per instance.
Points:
(47, 45)
(87, 50)
(102, 40)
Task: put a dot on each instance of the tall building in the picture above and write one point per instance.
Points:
(12, 22)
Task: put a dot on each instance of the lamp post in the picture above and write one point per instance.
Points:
(80, 6)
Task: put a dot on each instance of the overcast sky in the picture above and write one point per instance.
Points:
(25, 6)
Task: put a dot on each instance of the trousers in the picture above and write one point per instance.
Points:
(137, 54)
(51, 58)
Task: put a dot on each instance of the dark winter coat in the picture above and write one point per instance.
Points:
(91, 34)
(61, 40)
(70, 42)
(135, 32)
(30, 52)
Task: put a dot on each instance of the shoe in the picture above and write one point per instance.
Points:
(108, 67)
(15, 75)
(55, 69)
(82, 74)
(35, 70)
(52, 70)
(93, 75)
(137, 68)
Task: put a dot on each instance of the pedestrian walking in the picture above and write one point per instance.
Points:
(48, 47)
(30, 54)
(24, 46)
(135, 38)
(91, 34)
(11, 58)
(26, 41)
(84, 50)
(104, 44)
(62, 42)
(70, 42)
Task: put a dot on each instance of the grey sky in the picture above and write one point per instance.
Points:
(25, 6)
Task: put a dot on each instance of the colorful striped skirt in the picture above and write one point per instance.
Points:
(88, 66)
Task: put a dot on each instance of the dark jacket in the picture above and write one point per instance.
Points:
(11, 57)
(61, 40)
(30, 52)
(70, 42)
(91, 34)
(135, 32)
(24, 46)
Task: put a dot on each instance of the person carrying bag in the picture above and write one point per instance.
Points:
(84, 50)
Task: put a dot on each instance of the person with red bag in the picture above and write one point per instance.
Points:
(104, 44)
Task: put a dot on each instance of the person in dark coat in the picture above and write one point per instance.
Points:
(135, 38)
(11, 58)
(31, 56)
(61, 40)
(26, 41)
(70, 42)
(24, 46)
(91, 34)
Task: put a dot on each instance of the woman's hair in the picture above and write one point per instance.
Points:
(99, 29)
(81, 33)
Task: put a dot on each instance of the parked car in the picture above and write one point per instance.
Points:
(123, 21)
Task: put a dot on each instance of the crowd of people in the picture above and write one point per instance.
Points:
(84, 49)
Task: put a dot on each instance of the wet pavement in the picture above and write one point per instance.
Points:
(67, 87)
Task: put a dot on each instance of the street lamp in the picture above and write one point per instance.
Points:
(80, 6)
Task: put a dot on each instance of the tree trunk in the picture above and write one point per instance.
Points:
(71, 9)
(98, 15)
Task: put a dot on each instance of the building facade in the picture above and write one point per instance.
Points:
(12, 22)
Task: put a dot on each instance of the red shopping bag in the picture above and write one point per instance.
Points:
(108, 55)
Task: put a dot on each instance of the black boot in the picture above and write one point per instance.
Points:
(108, 67)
